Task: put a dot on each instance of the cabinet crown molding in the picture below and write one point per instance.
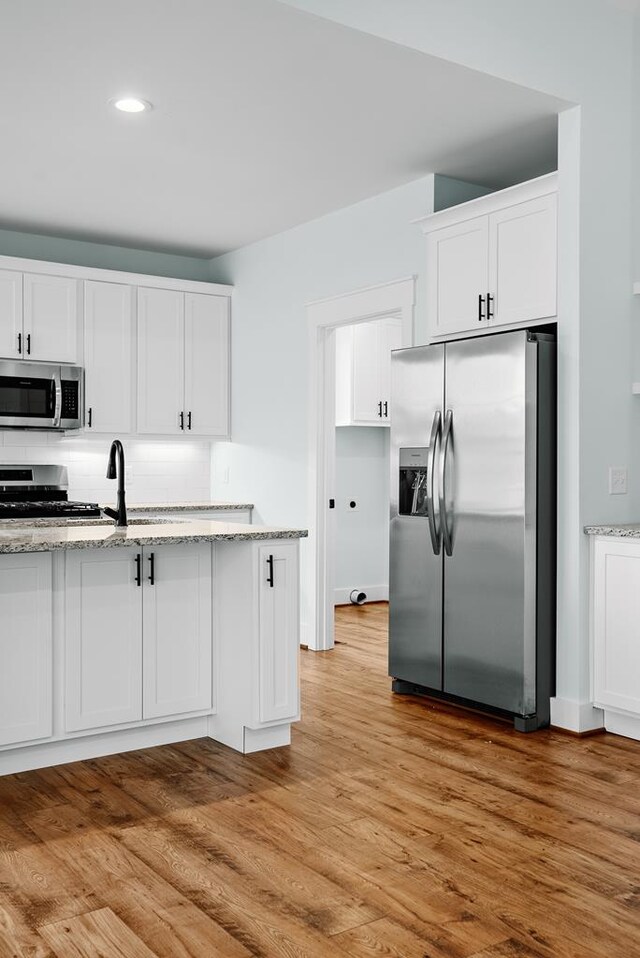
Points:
(520, 193)
(44, 268)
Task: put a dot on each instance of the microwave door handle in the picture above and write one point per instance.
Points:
(57, 385)
(436, 536)
(447, 533)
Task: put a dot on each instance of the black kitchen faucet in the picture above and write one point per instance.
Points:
(119, 514)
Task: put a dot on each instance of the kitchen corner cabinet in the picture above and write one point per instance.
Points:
(363, 371)
(26, 679)
(183, 363)
(108, 356)
(138, 634)
(38, 317)
(256, 600)
(615, 613)
(492, 262)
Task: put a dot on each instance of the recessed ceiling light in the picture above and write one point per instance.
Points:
(131, 104)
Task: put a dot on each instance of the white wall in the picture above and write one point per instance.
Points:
(362, 535)
(580, 50)
(156, 471)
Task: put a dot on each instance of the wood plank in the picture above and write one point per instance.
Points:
(93, 934)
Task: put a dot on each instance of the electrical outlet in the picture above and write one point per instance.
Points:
(617, 480)
(128, 474)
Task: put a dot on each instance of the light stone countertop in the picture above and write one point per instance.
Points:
(210, 506)
(630, 531)
(31, 538)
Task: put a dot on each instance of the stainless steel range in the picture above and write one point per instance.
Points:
(39, 492)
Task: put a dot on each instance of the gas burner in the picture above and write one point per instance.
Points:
(39, 492)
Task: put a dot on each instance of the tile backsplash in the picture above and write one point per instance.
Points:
(156, 471)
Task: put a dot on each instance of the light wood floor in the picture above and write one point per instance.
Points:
(391, 827)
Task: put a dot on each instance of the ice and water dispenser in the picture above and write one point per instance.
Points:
(412, 500)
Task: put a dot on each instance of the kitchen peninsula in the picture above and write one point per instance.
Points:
(165, 630)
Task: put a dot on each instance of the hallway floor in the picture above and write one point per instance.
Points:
(391, 827)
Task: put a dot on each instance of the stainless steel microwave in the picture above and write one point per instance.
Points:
(40, 396)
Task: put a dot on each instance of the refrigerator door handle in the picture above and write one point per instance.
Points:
(444, 519)
(436, 431)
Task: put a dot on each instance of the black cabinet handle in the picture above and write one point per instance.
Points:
(182, 420)
(89, 416)
(20, 343)
(380, 409)
(489, 302)
(270, 567)
(138, 569)
(28, 344)
(152, 569)
(480, 305)
(386, 409)
(189, 420)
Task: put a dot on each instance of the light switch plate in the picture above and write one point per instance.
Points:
(617, 480)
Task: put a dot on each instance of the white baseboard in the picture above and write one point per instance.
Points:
(374, 593)
(575, 716)
(620, 724)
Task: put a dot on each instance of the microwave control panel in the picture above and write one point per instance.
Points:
(70, 399)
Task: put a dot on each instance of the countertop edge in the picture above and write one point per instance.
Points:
(116, 541)
(631, 531)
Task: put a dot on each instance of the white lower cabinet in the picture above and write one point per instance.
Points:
(25, 647)
(278, 632)
(256, 599)
(615, 616)
(138, 634)
(103, 639)
(177, 630)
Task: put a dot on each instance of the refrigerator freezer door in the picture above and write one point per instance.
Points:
(415, 576)
(490, 478)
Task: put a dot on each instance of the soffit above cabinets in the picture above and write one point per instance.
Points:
(263, 117)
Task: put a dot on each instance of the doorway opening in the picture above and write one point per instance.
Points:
(379, 307)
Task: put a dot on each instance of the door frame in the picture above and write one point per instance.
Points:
(395, 298)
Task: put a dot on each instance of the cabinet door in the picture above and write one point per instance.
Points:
(25, 647)
(50, 318)
(366, 374)
(160, 361)
(457, 274)
(103, 639)
(10, 314)
(616, 613)
(523, 260)
(389, 337)
(279, 641)
(207, 364)
(177, 629)
(108, 331)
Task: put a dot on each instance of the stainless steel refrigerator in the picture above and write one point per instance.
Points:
(473, 527)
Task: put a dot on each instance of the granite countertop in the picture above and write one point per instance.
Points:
(630, 531)
(31, 538)
(210, 506)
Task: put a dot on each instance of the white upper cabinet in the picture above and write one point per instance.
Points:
(160, 361)
(523, 256)
(457, 276)
(50, 318)
(108, 351)
(10, 314)
(206, 356)
(183, 363)
(38, 317)
(363, 371)
(492, 262)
